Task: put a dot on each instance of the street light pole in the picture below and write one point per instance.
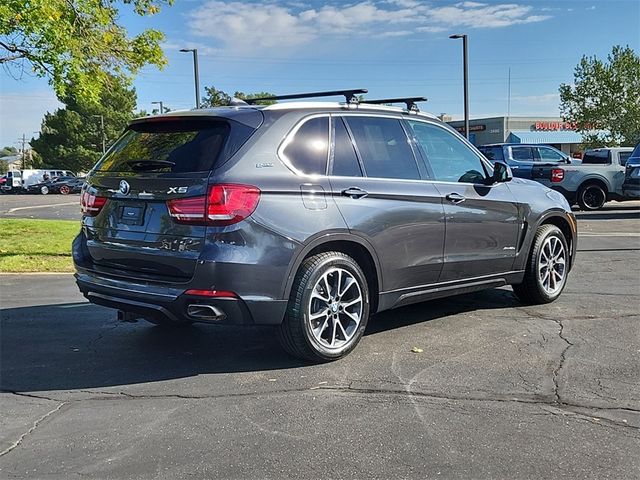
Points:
(104, 139)
(465, 54)
(161, 106)
(195, 72)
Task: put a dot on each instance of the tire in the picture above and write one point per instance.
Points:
(544, 284)
(342, 309)
(65, 190)
(44, 190)
(592, 196)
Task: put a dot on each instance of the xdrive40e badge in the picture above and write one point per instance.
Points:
(124, 187)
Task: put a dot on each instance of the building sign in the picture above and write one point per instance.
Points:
(554, 126)
(472, 128)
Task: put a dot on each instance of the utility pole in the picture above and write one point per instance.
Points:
(23, 140)
(465, 55)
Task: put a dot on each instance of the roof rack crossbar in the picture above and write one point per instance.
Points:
(410, 102)
(349, 95)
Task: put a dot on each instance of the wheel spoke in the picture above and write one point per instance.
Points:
(318, 331)
(316, 294)
(348, 284)
(321, 314)
(344, 333)
(352, 302)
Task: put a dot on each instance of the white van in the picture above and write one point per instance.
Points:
(19, 180)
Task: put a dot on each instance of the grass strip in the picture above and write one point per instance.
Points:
(32, 245)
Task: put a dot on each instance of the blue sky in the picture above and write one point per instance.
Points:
(391, 47)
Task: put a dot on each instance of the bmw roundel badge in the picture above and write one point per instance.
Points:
(124, 187)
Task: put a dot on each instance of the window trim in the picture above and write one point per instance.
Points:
(291, 135)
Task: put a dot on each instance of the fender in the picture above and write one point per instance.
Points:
(521, 259)
(322, 238)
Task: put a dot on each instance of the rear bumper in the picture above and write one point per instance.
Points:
(173, 304)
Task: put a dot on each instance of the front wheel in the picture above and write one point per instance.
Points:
(547, 269)
(44, 190)
(328, 308)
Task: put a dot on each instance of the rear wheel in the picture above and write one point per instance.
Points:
(592, 196)
(64, 190)
(328, 308)
(547, 269)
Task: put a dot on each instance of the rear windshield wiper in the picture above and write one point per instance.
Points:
(140, 165)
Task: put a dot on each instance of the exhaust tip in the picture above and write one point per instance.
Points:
(206, 313)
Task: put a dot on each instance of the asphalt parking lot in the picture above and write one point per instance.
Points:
(500, 390)
(53, 207)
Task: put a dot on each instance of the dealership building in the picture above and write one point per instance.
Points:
(543, 130)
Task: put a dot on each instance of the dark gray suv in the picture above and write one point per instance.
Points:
(309, 217)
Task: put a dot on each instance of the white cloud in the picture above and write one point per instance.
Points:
(240, 27)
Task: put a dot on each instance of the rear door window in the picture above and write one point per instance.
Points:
(522, 153)
(384, 147)
(308, 150)
(181, 145)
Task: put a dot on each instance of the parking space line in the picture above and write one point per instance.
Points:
(16, 209)
(609, 234)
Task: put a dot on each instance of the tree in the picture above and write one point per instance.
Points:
(8, 151)
(77, 43)
(604, 101)
(71, 137)
(4, 166)
(218, 98)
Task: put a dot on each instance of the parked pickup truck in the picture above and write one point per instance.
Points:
(521, 157)
(595, 181)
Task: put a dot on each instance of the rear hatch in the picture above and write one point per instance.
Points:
(135, 198)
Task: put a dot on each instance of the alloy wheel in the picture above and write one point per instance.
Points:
(552, 265)
(335, 308)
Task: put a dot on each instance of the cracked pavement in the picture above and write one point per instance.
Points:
(500, 390)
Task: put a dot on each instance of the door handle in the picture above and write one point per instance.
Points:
(455, 198)
(354, 192)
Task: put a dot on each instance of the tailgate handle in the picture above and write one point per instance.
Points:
(354, 192)
(455, 198)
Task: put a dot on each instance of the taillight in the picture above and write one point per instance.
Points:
(224, 204)
(557, 175)
(90, 205)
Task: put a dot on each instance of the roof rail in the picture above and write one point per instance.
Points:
(410, 102)
(349, 95)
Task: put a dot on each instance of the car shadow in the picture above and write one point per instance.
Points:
(81, 346)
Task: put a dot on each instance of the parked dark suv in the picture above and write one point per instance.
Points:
(309, 217)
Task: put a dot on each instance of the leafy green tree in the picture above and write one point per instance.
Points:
(77, 43)
(71, 137)
(8, 151)
(218, 98)
(604, 101)
(4, 166)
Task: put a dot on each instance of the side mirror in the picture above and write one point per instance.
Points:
(501, 173)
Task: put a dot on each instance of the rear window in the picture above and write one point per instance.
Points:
(600, 157)
(492, 153)
(181, 145)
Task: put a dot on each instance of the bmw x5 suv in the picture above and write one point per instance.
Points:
(310, 217)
